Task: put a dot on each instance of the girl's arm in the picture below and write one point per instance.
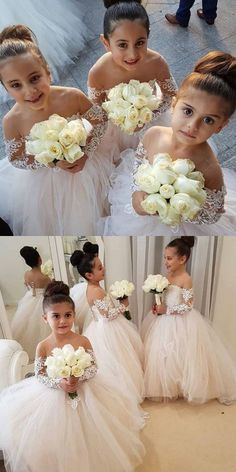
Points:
(167, 85)
(96, 92)
(186, 299)
(40, 368)
(105, 306)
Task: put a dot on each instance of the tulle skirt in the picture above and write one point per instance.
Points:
(119, 350)
(52, 201)
(59, 28)
(43, 432)
(184, 357)
(124, 219)
(28, 326)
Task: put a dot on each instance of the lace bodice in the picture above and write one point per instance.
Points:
(213, 207)
(15, 148)
(41, 375)
(168, 85)
(178, 300)
(104, 309)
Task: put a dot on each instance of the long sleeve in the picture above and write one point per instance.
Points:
(107, 309)
(15, 151)
(90, 371)
(185, 303)
(212, 209)
(98, 119)
(40, 374)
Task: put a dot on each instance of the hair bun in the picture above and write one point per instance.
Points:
(90, 248)
(220, 64)
(76, 258)
(56, 287)
(110, 3)
(189, 240)
(20, 32)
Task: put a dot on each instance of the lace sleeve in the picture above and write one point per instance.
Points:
(140, 155)
(40, 374)
(15, 151)
(98, 119)
(96, 96)
(90, 371)
(107, 309)
(212, 209)
(185, 305)
(169, 89)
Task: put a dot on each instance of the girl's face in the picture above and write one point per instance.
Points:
(98, 271)
(26, 80)
(60, 317)
(173, 261)
(128, 44)
(197, 115)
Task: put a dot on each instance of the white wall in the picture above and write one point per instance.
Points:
(224, 297)
(13, 267)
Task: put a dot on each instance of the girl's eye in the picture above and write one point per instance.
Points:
(122, 45)
(188, 111)
(140, 43)
(68, 315)
(56, 317)
(208, 120)
(16, 85)
(35, 78)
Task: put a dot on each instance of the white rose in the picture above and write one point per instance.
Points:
(118, 116)
(38, 131)
(161, 283)
(149, 283)
(73, 153)
(51, 135)
(146, 180)
(153, 103)
(67, 138)
(128, 126)
(196, 175)
(128, 92)
(77, 371)
(67, 349)
(64, 372)
(167, 191)
(115, 92)
(165, 176)
(145, 89)
(155, 204)
(57, 122)
(47, 268)
(145, 115)
(70, 359)
(139, 101)
(185, 205)
(55, 149)
(172, 217)
(183, 166)
(191, 187)
(133, 115)
(162, 160)
(85, 361)
(108, 106)
(35, 147)
(44, 158)
(79, 131)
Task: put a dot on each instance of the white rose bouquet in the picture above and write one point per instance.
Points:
(122, 290)
(131, 105)
(156, 284)
(175, 190)
(67, 362)
(56, 139)
(47, 268)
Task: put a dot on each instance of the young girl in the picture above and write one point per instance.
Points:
(117, 344)
(65, 198)
(28, 327)
(126, 31)
(205, 102)
(183, 355)
(49, 21)
(44, 430)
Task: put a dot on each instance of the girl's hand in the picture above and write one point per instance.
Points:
(137, 197)
(125, 301)
(159, 309)
(69, 385)
(77, 166)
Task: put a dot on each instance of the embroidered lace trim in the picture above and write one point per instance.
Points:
(181, 308)
(22, 161)
(98, 117)
(212, 209)
(107, 308)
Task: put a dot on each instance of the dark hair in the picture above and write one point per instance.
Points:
(83, 260)
(30, 255)
(118, 10)
(183, 245)
(56, 292)
(19, 39)
(215, 73)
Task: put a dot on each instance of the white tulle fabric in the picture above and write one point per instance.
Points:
(28, 326)
(43, 432)
(118, 139)
(51, 201)
(117, 346)
(123, 215)
(59, 28)
(184, 357)
(83, 315)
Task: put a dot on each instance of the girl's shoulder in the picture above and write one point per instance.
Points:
(211, 169)
(186, 281)
(42, 348)
(158, 64)
(157, 139)
(98, 71)
(11, 122)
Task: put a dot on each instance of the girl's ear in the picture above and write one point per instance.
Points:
(226, 122)
(88, 275)
(45, 318)
(173, 103)
(105, 42)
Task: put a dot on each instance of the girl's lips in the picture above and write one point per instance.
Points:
(131, 63)
(35, 100)
(187, 134)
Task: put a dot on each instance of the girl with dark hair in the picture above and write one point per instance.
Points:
(116, 342)
(28, 327)
(125, 37)
(70, 200)
(183, 355)
(204, 104)
(100, 431)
